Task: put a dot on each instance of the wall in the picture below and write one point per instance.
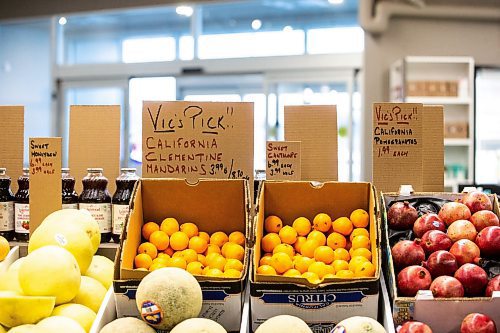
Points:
(414, 37)
(25, 74)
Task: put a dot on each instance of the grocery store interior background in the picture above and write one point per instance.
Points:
(56, 53)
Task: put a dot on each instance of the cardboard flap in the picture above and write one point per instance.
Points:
(94, 142)
(12, 139)
(433, 148)
(45, 179)
(315, 126)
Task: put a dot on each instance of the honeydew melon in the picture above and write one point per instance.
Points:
(60, 324)
(198, 325)
(283, 324)
(127, 325)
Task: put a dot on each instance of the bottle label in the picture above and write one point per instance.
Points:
(70, 206)
(120, 213)
(101, 212)
(7, 216)
(22, 218)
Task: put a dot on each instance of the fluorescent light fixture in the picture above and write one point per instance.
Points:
(256, 24)
(336, 2)
(184, 11)
(62, 20)
(287, 28)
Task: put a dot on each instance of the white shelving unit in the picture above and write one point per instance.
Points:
(458, 108)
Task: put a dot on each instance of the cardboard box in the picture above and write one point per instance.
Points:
(325, 305)
(456, 130)
(424, 307)
(12, 139)
(106, 314)
(214, 205)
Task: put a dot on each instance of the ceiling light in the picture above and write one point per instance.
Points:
(62, 20)
(256, 24)
(336, 2)
(184, 11)
(287, 28)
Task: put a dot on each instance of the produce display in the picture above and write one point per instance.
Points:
(472, 323)
(48, 289)
(449, 247)
(317, 250)
(184, 246)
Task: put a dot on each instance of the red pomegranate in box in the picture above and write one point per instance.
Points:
(483, 219)
(447, 286)
(488, 241)
(401, 216)
(476, 201)
(473, 278)
(462, 229)
(414, 327)
(493, 285)
(426, 222)
(412, 279)
(441, 263)
(465, 251)
(435, 240)
(406, 253)
(478, 323)
(454, 211)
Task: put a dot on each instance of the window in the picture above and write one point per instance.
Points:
(148, 49)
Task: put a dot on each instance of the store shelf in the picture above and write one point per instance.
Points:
(438, 60)
(457, 142)
(438, 100)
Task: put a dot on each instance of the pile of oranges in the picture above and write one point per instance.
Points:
(172, 245)
(318, 250)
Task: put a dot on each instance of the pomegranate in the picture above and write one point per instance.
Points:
(462, 229)
(488, 241)
(483, 219)
(414, 327)
(426, 222)
(476, 201)
(401, 216)
(441, 263)
(493, 285)
(473, 278)
(478, 323)
(465, 251)
(435, 240)
(447, 286)
(453, 211)
(406, 253)
(412, 279)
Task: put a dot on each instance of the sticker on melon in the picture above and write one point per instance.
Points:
(151, 313)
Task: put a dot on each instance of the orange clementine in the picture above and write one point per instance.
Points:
(285, 248)
(149, 249)
(169, 226)
(214, 272)
(217, 261)
(266, 270)
(281, 262)
(177, 254)
(265, 260)
(339, 265)
(195, 268)
(159, 239)
(162, 260)
(302, 225)
(360, 218)
(148, 229)
(273, 223)
(355, 262)
(205, 236)
(219, 238)
(302, 264)
(237, 237)
(179, 241)
(342, 225)
(298, 243)
(234, 251)
(341, 254)
(324, 254)
(189, 255)
(336, 241)
(233, 264)
(364, 252)
(318, 236)
(190, 229)
(292, 272)
(270, 241)
(360, 242)
(157, 265)
(365, 269)
(311, 277)
(163, 255)
(308, 248)
(328, 276)
(178, 262)
(212, 248)
(359, 232)
(143, 260)
(288, 235)
(202, 259)
(322, 222)
(198, 244)
(344, 274)
(320, 268)
(231, 273)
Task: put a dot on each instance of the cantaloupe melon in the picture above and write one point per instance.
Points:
(101, 269)
(60, 324)
(80, 313)
(168, 296)
(18, 310)
(127, 325)
(198, 325)
(283, 324)
(359, 324)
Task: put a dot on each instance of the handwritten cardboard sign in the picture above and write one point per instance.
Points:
(94, 142)
(195, 140)
(12, 141)
(45, 178)
(283, 160)
(315, 126)
(397, 146)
